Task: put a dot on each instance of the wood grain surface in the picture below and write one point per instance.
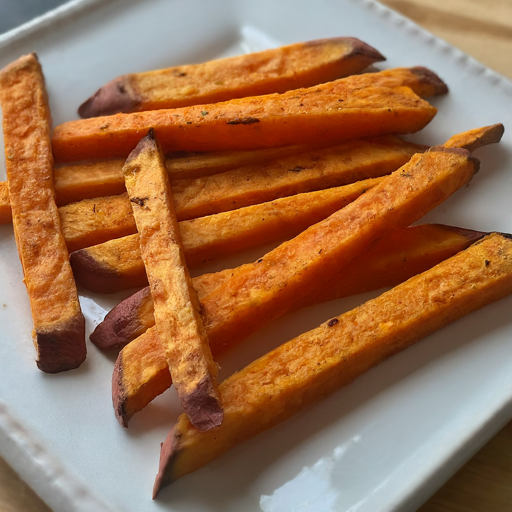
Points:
(483, 29)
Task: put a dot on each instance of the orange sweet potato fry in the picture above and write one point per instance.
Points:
(277, 70)
(176, 306)
(59, 326)
(116, 265)
(258, 293)
(94, 221)
(358, 106)
(262, 180)
(313, 365)
(345, 163)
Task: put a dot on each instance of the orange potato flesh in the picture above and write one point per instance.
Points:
(116, 265)
(93, 221)
(313, 170)
(313, 365)
(176, 306)
(59, 326)
(367, 105)
(258, 293)
(277, 70)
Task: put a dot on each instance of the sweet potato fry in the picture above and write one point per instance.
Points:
(116, 265)
(176, 306)
(313, 365)
(366, 105)
(258, 293)
(104, 178)
(259, 181)
(94, 221)
(142, 373)
(59, 326)
(313, 170)
(277, 70)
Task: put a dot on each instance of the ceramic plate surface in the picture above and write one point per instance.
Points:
(383, 443)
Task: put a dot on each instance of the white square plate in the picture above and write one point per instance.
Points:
(383, 443)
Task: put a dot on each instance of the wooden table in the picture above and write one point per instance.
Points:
(482, 29)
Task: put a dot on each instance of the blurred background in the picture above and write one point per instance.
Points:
(481, 28)
(16, 12)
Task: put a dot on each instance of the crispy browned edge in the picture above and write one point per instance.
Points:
(87, 269)
(491, 135)
(429, 77)
(358, 47)
(173, 445)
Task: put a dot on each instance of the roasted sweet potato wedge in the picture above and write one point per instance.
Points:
(176, 306)
(59, 326)
(366, 105)
(258, 293)
(116, 265)
(277, 70)
(260, 181)
(313, 365)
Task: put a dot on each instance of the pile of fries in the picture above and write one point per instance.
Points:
(296, 144)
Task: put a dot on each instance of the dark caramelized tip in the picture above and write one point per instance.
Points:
(113, 98)
(118, 393)
(61, 348)
(430, 78)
